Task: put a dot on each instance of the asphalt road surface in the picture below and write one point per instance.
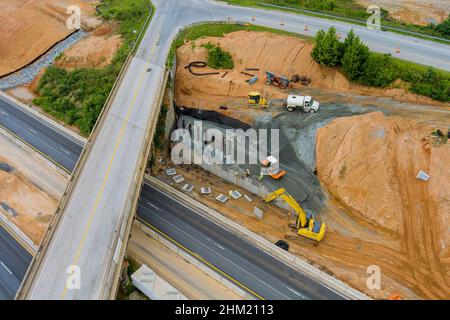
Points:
(45, 138)
(271, 278)
(249, 266)
(14, 261)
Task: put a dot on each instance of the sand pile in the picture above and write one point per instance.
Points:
(31, 27)
(267, 51)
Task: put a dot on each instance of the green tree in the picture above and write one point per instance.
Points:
(380, 71)
(444, 27)
(328, 49)
(356, 55)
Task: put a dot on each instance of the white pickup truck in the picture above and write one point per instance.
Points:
(304, 103)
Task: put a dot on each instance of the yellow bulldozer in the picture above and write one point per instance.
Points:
(307, 229)
(255, 100)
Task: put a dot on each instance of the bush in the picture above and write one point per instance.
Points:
(434, 85)
(444, 27)
(356, 55)
(380, 71)
(218, 58)
(328, 49)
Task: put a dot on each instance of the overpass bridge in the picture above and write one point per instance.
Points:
(90, 229)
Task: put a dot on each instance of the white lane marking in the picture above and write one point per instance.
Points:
(9, 271)
(32, 130)
(4, 113)
(64, 150)
(152, 205)
(219, 246)
(297, 293)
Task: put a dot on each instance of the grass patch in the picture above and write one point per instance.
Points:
(218, 58)
(77, 97)
(348, 9)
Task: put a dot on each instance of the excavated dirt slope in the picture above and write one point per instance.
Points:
(95, 51)
(30, 27)
(369, 164)
(264, 50)
(420, 12)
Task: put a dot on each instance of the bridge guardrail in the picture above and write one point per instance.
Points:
(37, 259)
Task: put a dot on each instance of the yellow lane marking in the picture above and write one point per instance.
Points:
(118, 143)
(17, 240)
(37, 150)
(99, 195)
(203, 260)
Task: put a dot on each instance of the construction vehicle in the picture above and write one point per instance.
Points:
(277, 80)
(271, 161)
(307, 229)
(256, 100)
(304, 103)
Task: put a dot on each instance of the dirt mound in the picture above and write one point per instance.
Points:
(420, 12)
(31, 27)
(369, 164)
(91, 52)
(266, 51)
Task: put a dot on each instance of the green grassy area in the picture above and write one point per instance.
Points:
(219, 30)
(349, 9)
(218, 58)
(77, 97)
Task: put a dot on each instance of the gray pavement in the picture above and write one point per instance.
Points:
(41, 136)
(14, 261)
(247, 265)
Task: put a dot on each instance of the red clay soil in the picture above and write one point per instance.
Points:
(31, 27)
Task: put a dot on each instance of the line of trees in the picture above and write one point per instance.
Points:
(377, 70)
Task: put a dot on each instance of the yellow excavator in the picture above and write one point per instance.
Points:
(309, 230)
(255, 100)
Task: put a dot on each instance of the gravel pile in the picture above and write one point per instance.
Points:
(27, 74)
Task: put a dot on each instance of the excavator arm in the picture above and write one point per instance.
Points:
(281, 193)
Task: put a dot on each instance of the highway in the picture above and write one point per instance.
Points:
(269, 279)
(42, 136)
(266, 276)
(14, 261)
(99, 203)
